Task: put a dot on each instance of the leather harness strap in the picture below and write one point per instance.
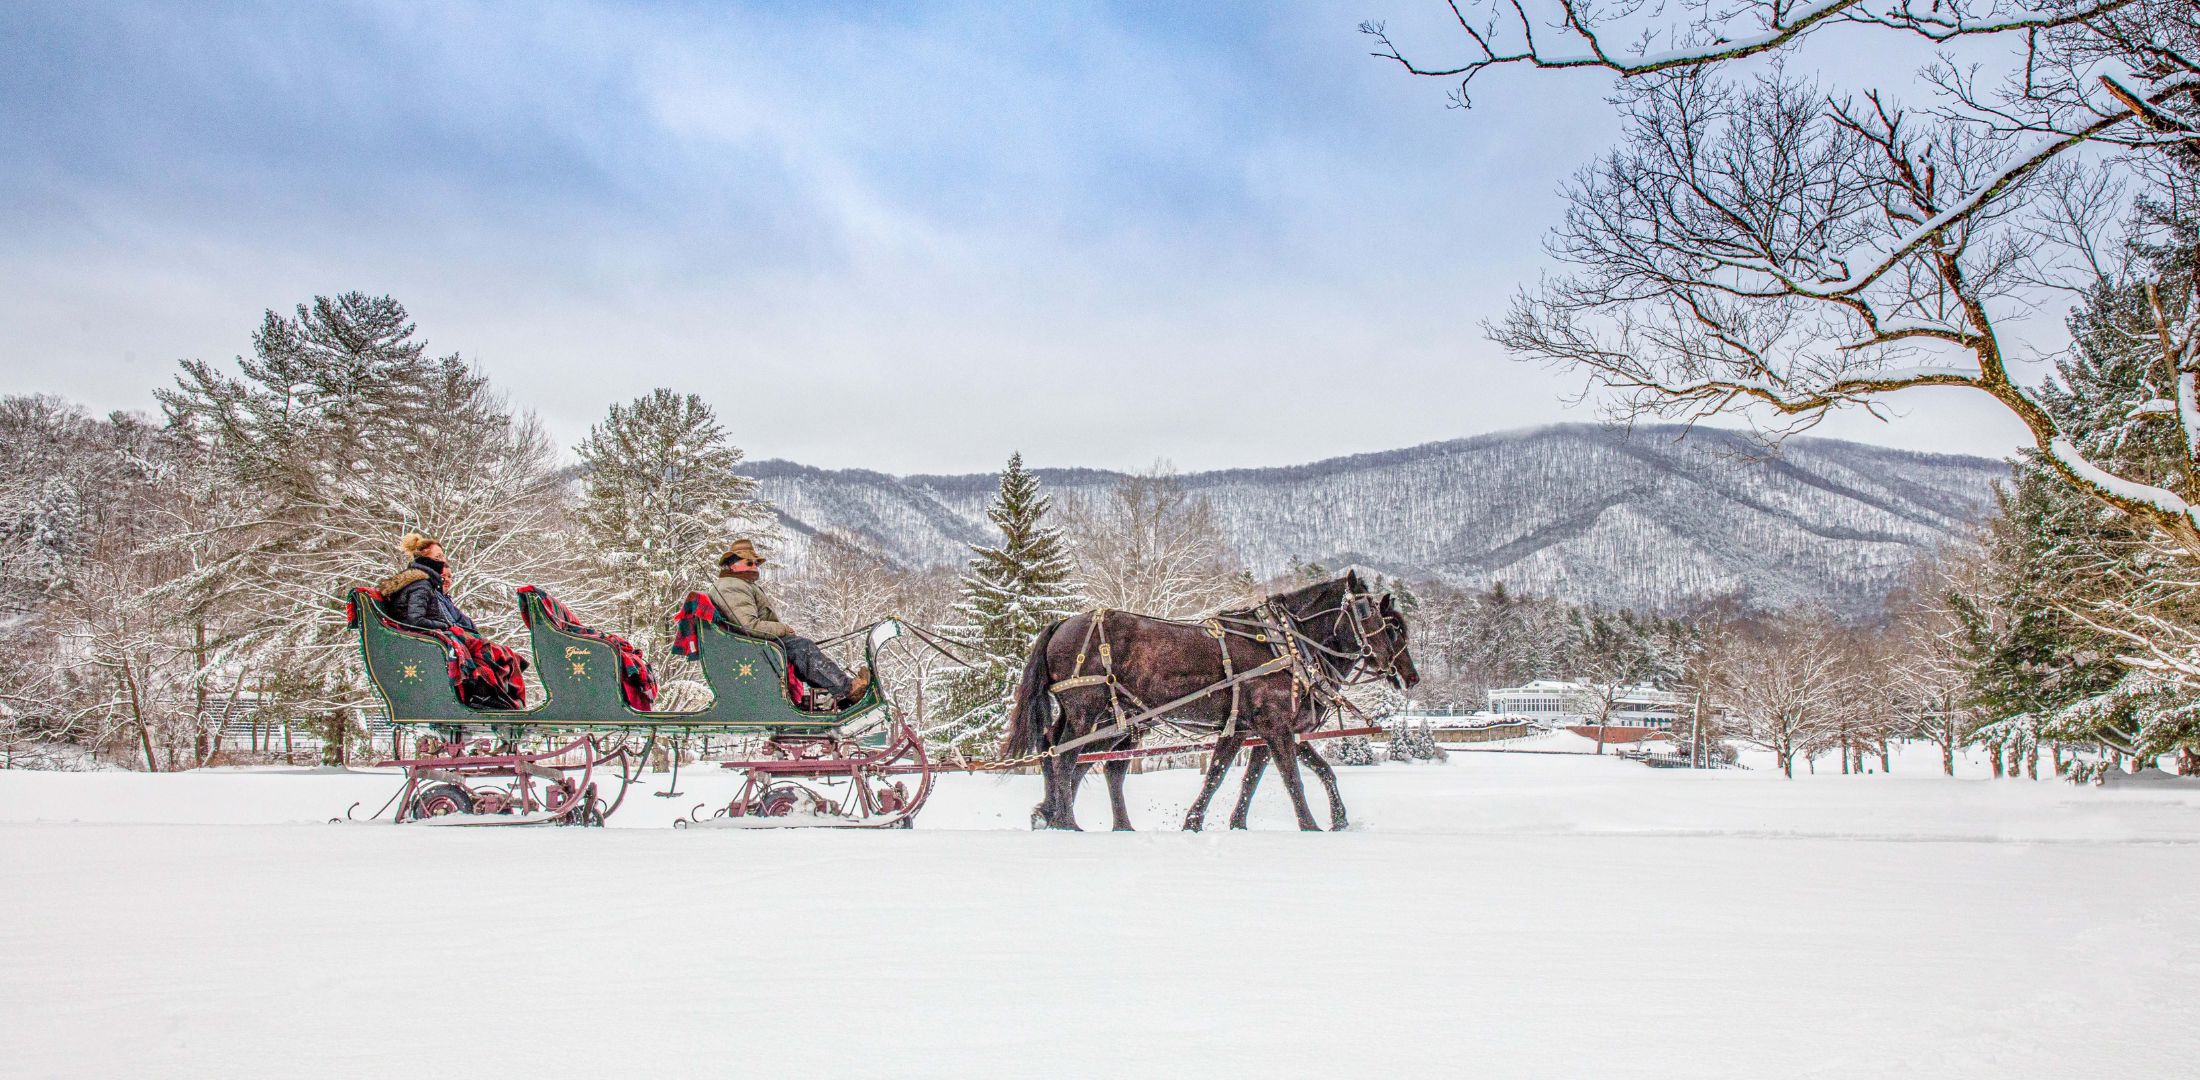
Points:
(1270, 625)
(1125, 724)
(1229, 673)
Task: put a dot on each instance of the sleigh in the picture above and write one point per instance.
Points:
(840, 767)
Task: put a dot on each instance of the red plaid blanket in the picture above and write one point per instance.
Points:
(635, 680)
(485, 674)
(688, 624)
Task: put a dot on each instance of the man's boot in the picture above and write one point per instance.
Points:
(856, 687)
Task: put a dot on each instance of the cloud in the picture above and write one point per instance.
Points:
(911, 238)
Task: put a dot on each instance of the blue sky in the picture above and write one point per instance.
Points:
(903, 237)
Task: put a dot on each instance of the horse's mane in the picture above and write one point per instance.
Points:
(1311, 598)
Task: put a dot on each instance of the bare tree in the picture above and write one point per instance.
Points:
(1153, 547)
(1631, 39)
(1611, 662)
(842, 586)
(1701, 725)
(1783, 683)
(1763, 242)
(92, 655)
(1926, 671)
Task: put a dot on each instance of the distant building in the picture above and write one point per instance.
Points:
(1558, 703)
(1450, 726)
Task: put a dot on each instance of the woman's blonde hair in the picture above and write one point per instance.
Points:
(414, 543)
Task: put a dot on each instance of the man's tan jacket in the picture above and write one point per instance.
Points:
(742, 603)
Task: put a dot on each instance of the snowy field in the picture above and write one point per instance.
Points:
(1502, 915)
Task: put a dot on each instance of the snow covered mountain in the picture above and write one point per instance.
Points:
(1585, 513)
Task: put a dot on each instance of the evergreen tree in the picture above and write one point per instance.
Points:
(662, 499)
(1010, 593)
(341, 434)
(2064, 582)
(1355, 750)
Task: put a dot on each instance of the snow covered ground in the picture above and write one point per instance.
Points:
(1502, 915)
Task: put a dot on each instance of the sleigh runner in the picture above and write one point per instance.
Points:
(856, 766)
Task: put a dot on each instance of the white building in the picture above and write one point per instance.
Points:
(1559, 703)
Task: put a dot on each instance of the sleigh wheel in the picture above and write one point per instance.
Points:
(442, 800)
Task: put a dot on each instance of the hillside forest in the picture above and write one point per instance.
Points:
(159, 571)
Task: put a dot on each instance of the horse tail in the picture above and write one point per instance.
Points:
(1033, 720)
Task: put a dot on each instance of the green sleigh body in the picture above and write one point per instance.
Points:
(814, 769)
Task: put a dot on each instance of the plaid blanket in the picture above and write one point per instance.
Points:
(687, 626)
(635, 680)
(485, 674)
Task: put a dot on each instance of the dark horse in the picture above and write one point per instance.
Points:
(1089, 670)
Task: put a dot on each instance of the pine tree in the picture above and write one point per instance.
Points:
(662, 499)
(341, 434)
(2058, 568)
(1353, 750)
(1010, 593)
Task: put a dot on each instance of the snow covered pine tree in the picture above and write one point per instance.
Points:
(661, 501)
(338, 435)
(1010, 593)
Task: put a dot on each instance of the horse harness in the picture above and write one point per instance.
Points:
(1270, 625)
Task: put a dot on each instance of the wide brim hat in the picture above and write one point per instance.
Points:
(741, 550)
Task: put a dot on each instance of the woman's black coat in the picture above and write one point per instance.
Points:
(419, 599)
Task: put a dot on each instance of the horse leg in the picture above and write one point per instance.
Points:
(1058, 810)
(1287, 763)
(1043, 815)
(1218, 765)
(1328, 776)
(1117, 770)
(1075, 771)
(1256, 763)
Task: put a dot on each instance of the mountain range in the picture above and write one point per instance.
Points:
(1649, 518)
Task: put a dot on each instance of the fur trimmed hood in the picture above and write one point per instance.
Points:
(411, 575)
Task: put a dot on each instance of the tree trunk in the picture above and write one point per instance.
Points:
(200, 749)
(1886, 757)
(2032, 761)
(1993, 757)
(1948, 756)
(137, 715)
(229, 709)
(339, 732)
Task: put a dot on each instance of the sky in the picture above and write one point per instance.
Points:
(908, 237)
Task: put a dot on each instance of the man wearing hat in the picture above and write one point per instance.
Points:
(742, 603)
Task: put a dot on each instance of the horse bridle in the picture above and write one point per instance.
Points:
(1356, 611)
